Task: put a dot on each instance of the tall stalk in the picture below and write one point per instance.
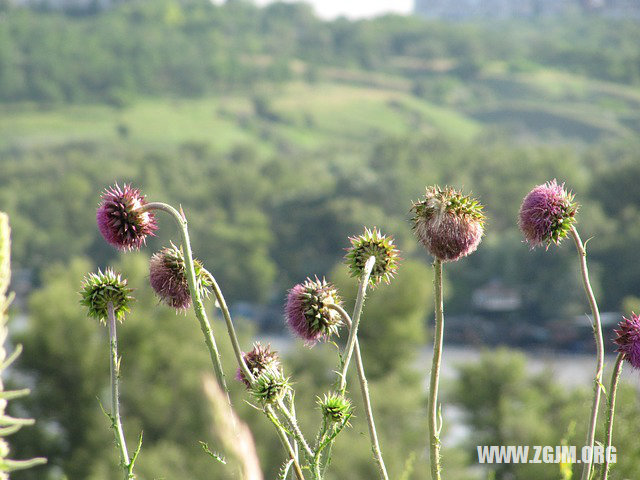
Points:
(366, 398)
(434, 426)
(196, 297)
(597, 332)
(615, 377)
(121, 443)
(353, 328)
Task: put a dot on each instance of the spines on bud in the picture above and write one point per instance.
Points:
(168, 278)
(121, 219)
(628, 339)
(372, 243)
(270, 386)
(100, 289)
(335, 408)
(449, 224)
(259, 359)
(547, 214)
(307, 312)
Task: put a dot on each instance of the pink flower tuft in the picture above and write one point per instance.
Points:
(307, 313)
(628, 339)
(449, 224)
(120, 219)
(547, 214)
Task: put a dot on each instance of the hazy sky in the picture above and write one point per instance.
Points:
(355, 8)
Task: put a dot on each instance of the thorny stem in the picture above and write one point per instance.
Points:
(198, 306)
(297, 434)
(285, 441)
(115, 393)
(230, 328)
(597, 332)
(615, 376)
(364, 390)
(357, 311)
(434, 428)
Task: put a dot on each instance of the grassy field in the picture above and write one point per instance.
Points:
(338, 111)
(302, 115)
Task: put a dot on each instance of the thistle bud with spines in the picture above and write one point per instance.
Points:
(100, 289)
(372, 243)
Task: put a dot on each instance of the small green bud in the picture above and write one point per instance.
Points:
(335, 407)
(98, 289)
(270, 386)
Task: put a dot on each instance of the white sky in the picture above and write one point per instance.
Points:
(355, 8)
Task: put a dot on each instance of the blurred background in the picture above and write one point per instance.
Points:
(281, 129)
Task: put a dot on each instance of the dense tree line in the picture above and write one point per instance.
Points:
(195, 47)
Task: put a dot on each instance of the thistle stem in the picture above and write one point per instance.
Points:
(434, 428)
(615, 377)
(297, 434)
(597, 332)
(198, 306)
(115, 393)
(285, 441)
(230, 328)
(357, 311)
(366, 398)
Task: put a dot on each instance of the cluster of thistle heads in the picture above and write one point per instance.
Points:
(448, 223)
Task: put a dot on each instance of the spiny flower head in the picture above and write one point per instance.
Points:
(98, 289)
(168, 278)
(372, 243)
(449, 224)
(628, 339)
(307, 312)
(335, 407)
(259, 359)
(547, 214)
(120, 219)
(270, 386)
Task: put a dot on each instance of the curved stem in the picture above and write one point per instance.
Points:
(230, 328)
(615, 376)
(198, 307)
(115, 392)
(297, 434)
(597, 332)
(434, 428)
(285, 441)
(357, 311)
(364, 390)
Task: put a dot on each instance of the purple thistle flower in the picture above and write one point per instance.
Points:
(628, 339)
(547, 214)
(167, 276)
(449, 224)
(307, 313)
(259, 359)
(120, 220)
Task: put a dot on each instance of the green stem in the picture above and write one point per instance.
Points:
(357, 311)
(597, 332)
(198, 306)
(434, 428)
(615, 376)
(297, 434)
(230, 328)
(366, 398)
(285, 441)
(115, 392)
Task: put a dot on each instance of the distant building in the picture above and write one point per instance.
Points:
(506, 9)
(495, 296)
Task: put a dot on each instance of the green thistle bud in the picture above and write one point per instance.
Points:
(98, 289)
(372, 243)
(335, 407)
(270, 386)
